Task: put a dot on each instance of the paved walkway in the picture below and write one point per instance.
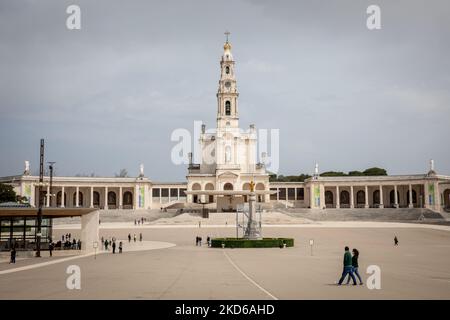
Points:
(186, 271)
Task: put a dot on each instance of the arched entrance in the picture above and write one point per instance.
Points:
(96, 200)
(344, 199)
(329, 199)
(196, 187)
(228, 186)
(376, 198)
(127, 200)
(112, 200)
(361, 198)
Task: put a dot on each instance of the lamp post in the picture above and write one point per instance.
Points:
(50, 166)
(39, 214)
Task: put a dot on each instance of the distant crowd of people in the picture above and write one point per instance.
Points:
(198, 241)
(138, 222)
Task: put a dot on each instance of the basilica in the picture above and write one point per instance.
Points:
(229, 166)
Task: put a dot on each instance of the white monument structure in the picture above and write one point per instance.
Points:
(229, 159)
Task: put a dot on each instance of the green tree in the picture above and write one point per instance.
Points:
(333, 174)
(7, 193)
(375, 172)
(355, 173)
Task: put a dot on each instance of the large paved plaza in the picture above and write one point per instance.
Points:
(417, 269)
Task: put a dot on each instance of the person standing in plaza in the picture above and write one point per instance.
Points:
(140, 237)
(114, 247)
(106, 244)
(120, 247)
(13, 255)
(134, 238)
(348, 269)
(50, 248)
(395, 241)
(129, 237)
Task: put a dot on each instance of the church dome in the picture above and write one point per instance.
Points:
(227, 46)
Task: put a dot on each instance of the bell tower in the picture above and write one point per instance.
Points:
(227, 95)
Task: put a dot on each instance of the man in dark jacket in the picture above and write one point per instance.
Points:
(348, 269)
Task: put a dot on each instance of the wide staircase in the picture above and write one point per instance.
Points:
(372, 214)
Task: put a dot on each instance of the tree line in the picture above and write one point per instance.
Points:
(374, 171)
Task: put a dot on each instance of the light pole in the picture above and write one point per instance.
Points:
(50, 166)
(39, 214)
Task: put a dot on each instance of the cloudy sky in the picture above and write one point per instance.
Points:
(108, 96)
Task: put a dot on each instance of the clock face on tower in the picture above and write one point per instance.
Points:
(228, 85)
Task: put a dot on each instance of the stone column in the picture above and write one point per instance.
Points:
(77, 197)
(160, 195)
(366, 195)
(295, 194)
(120, 198)
(352, 200)
(278, 194)
(136, 196)
(395, 196)
(92, 198)
(48, 197)
(106, 198)
(178, 194)
(169, 194)
(338, 200)
(62, 197)
(410, 204)
(89, 231)
(381, 197)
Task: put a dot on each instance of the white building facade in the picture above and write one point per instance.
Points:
(229, 162)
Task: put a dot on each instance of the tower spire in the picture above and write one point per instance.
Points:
(227, 33)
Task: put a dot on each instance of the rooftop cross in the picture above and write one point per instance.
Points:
(227, 33)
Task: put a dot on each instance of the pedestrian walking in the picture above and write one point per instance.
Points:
(348, 269)
(395, 241)
(114, 247)
(120, 247)
(50, 248)
(355, 266)
(140, 237)
(13, 255)
(129, 237)
(106, 244)
(134, 238)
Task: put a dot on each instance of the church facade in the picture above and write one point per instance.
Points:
(228, 166)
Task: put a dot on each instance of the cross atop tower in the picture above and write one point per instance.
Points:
(227, 33)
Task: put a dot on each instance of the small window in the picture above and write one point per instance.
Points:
(227, 70)
(228, 108)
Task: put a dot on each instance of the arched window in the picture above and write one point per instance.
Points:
(227, 70)
(111, 198)
(360, 197)
(228, 108)
(127, 198)
(96, 200)
(345, 198)
(328, 197)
